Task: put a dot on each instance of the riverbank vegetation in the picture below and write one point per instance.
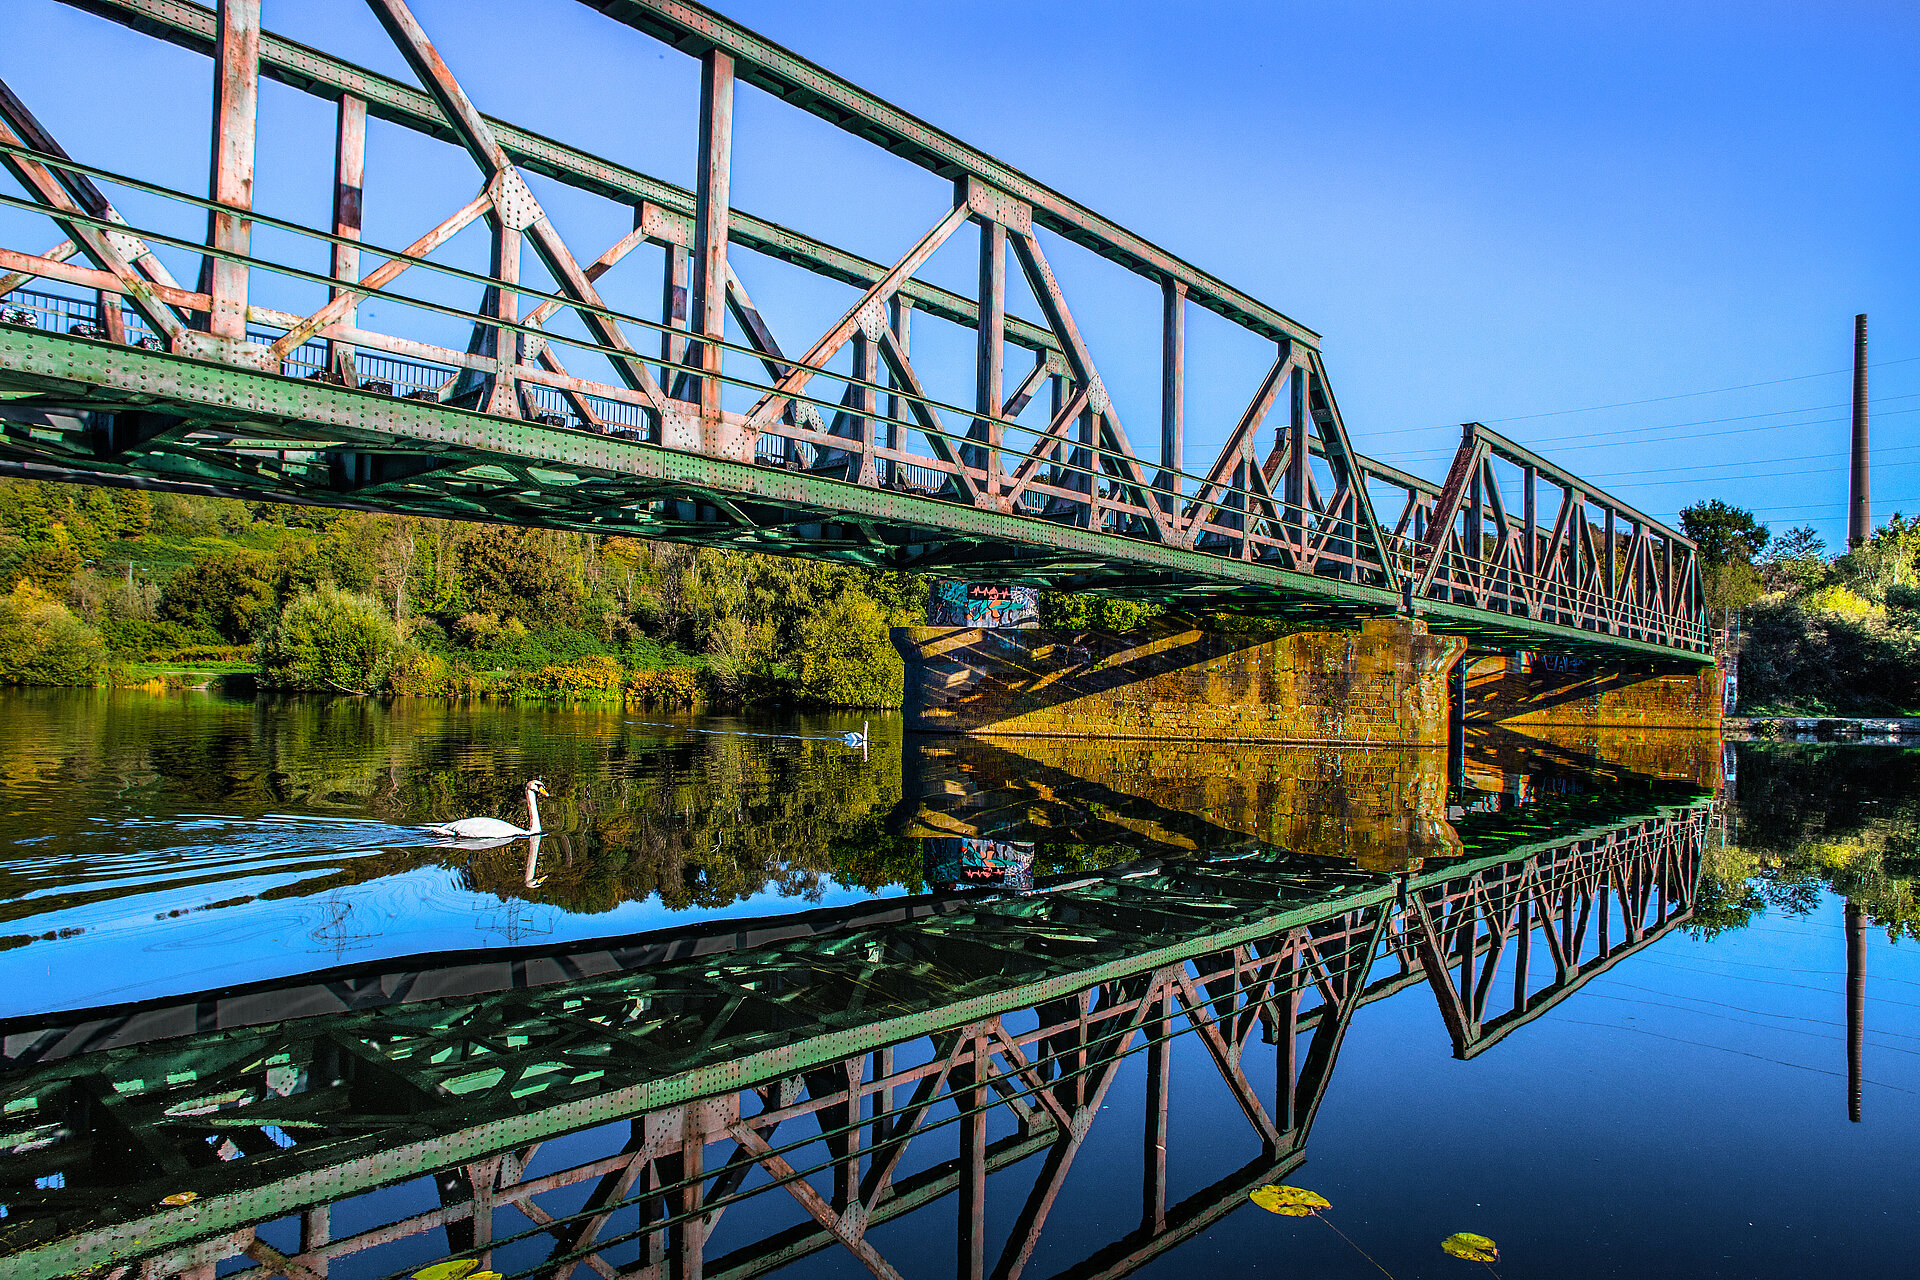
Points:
(1820, 633)
(120, 586)
(123, 586)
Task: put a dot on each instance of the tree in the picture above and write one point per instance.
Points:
(42, 643)
(1889, 559)
(1093, 613)
(1728, 539)
(519, 573)
(231, 594)
(329, 640)
(847, 657)
(1796, 561)
(1724, 534)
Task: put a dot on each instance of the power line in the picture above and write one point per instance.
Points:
(1763, 475)
(1897, 505)
(1618, 432)
(1688, 395)
(1615, 444)
(1627, 404)
(1801, 457)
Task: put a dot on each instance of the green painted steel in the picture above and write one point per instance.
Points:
(218, 429)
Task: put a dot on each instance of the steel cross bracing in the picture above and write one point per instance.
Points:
(552, 415)
(810, 1066)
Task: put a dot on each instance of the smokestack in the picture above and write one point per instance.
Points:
(1856, 1004)
(1859, 508)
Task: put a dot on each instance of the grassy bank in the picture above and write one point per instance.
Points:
(101, 586)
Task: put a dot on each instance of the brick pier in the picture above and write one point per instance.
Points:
(1383, 684)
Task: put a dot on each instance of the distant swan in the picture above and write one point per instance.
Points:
(857, 739)
(493, 828)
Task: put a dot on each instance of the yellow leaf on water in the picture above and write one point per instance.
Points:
(179, 1198)
(458, 1269)
(1288, 1202)
(1465, 1244)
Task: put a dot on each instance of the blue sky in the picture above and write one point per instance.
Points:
(1501, 212)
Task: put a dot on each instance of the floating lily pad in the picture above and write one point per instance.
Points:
(1465, 1244)
(1288, 1202)
(458, 1269)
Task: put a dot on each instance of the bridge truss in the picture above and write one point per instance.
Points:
(864, 1066)
(266, 379)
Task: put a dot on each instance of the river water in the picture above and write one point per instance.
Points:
(1587, 998)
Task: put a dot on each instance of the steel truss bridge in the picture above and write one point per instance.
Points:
(263, 379)
(856, 1066)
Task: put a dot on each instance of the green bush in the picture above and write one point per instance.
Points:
(159, 641)
(329, 640)
(1828, 661)
(417, 673)
(41, 642)
(230, 594)
(1094, 613)
(847, 658)
(1840, 601)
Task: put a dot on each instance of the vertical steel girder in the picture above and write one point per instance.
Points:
(1079, 471)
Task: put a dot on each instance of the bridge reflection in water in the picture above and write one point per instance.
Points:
(726, 1100)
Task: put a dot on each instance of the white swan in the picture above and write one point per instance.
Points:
(493, 828)
(857, 739)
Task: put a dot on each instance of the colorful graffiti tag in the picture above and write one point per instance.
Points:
(960, 862)
(981, 604)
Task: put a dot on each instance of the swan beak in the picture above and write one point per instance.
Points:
(539, 788)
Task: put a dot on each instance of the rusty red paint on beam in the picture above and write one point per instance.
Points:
(236, 79)
(710, 226)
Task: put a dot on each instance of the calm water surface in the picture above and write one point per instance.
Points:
(1671, 1098)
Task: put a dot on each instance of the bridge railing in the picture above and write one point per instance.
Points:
(1085, 480)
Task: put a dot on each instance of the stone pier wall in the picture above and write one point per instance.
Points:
(1384, 808)
(1383, 684)
(1536, 691)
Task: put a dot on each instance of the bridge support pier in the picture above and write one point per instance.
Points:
(1383, 684)
(1530, 691)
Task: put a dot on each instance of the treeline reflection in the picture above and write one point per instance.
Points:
(709, 815)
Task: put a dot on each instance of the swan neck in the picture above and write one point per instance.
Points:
(533, 813)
